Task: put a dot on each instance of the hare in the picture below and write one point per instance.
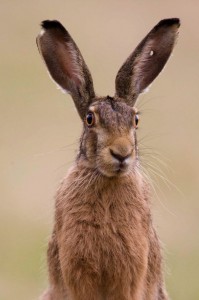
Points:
(104, 245)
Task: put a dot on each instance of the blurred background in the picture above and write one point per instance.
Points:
(39, 131)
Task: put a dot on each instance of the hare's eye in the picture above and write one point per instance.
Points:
(136, 120)
(90, 119)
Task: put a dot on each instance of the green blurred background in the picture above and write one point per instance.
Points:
(39, 131)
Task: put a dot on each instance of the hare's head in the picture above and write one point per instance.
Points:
(108, 142)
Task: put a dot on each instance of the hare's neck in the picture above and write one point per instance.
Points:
(90, 183)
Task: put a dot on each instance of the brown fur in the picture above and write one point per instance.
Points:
(103, 245)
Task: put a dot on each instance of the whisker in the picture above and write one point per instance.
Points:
(63, 148)
(65, 165)
(155, 186)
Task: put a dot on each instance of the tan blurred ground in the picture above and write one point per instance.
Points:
(39, 131)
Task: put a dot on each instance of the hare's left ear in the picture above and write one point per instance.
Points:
(66, 64)
(147, 60)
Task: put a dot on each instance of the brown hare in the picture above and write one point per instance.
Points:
(104, 246)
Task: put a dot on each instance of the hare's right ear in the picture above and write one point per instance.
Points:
(66, 64)
(147, 60)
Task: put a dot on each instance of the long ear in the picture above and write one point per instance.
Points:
(147, 60)
(66, 64)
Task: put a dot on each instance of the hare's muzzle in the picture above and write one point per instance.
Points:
(121, 152)
(117, 157)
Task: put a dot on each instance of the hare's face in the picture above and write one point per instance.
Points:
(109, 139)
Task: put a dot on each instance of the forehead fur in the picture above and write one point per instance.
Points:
(114, 114)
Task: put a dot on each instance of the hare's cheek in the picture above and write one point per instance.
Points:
(92, 144)
(105, 156)
(104, 163)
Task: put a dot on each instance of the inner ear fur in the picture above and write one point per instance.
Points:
(146, 61)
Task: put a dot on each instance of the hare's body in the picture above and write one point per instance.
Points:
(107, 245)
(104, 246)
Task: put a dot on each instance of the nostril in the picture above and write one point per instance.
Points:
(118, 156)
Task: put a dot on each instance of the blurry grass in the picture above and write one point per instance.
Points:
(22, 270)
(182, 282)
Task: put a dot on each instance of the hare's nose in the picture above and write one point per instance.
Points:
(119, 157)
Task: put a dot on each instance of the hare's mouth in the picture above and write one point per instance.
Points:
(122, 167)
(115, 169)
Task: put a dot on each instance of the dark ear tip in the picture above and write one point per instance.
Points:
(54, 24)
(169, 22)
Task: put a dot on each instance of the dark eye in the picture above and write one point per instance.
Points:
(136, 120)
(90, 119)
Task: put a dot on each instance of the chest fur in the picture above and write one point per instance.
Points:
(103, 226)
